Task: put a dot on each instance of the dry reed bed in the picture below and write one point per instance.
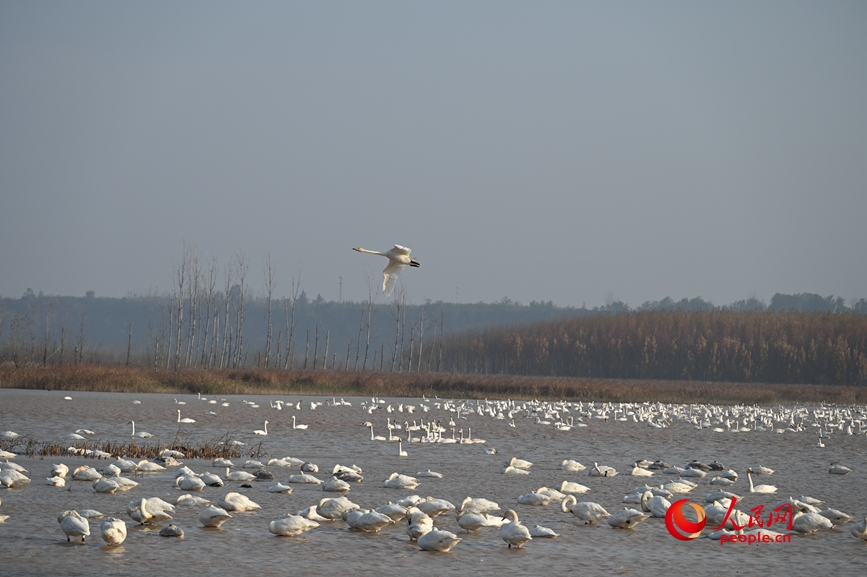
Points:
(114, 378)
(213, 449)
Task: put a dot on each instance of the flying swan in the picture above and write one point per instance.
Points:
(398, 257)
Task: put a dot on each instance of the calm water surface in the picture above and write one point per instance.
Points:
(31, 542)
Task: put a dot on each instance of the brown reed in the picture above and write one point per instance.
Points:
(117, 378)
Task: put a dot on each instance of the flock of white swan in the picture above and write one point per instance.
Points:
(427, 520)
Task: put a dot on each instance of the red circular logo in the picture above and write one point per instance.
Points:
(681, 527)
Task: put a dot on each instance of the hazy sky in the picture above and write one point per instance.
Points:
(564, 151)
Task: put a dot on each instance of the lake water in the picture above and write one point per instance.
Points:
(31, 542)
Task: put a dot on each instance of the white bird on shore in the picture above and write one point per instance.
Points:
(398, 257)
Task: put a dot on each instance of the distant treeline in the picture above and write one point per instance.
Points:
(200, 325)
(720, 345)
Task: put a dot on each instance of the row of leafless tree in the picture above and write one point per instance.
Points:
(204, 326)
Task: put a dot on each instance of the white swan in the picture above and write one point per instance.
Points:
(149, 511)
(366, 520)
(586, 511)
(237, 502)
(336, 485)
(105, 486)
(540, 531)
(513, 532)
(243, 476)
(398, 481)
(335, 508)
(478, 505)
(398, 257)
(764, 489)
(626, 519)
(437, 540)
(213, 516)
(185, 419)
(418, 524)
(304, 479)
(859, 530)
(295, 426)
(280, 488)
(113, 531)
(140, 434)
(534, 498)
(261, 431)
(571, 465)
(434, 507)
(400, 451)
(74, 525)
(810, 523)
(86, 473)
(471, 521)
(291, 526)
(375, 437)
(519, 463)
(839, 469)
(570, 487)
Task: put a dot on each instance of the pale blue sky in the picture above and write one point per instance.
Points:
(564, 151)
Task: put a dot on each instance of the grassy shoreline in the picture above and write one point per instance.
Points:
(116, 378)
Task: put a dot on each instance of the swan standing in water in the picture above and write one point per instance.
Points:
(113, 531)
(261, 431)
(302, 427)
(586, 511)
(398, 257)
(74, 525)
(400, 451)
(513, 532)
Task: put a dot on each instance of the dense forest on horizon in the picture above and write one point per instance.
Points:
(802, 338)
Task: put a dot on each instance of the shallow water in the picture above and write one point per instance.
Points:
(31, 542)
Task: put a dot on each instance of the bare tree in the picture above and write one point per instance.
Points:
(290, 322)
(195, 281)
(224, 351)
(243, 268)
(180, 274)
(270, 284)
(209, 341)
(399, 305)
(372, 289)
(420, 338)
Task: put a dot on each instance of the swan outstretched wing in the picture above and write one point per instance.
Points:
(389, 277)
(401, 250)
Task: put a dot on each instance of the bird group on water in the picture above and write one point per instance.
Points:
(428, 521)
